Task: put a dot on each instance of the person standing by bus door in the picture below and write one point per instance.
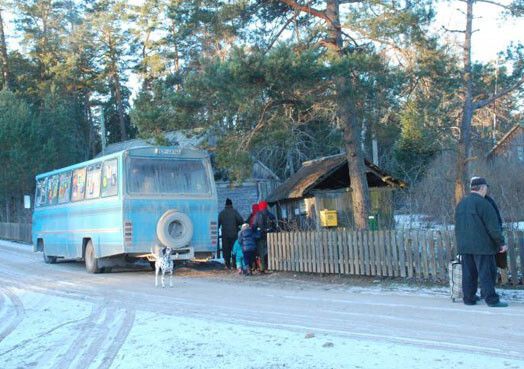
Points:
(229, 219)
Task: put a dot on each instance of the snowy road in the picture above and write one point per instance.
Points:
(58, 316)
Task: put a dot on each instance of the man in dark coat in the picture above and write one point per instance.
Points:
(229, 219)
(479, 238)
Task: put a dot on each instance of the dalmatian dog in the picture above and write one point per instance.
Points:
(164, 264)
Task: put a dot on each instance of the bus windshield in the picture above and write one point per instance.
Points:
(167, 176)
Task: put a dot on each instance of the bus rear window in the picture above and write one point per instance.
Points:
(162, 176)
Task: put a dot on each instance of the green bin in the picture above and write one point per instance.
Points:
(373, 222)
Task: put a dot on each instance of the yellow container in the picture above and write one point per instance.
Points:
(328, 218)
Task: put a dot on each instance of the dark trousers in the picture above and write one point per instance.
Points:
(483, 267)
(262, 252)
(249, 257)
(227, 246)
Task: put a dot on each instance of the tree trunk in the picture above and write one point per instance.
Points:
(4, 67)
(348, 117)
(464, 144)
(118, 93)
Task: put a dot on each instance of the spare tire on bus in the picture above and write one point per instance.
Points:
(174, 229)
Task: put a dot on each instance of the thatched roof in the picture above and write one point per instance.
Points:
(315, 171)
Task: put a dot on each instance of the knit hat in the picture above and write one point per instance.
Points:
(244, 226)
(262, 205)
(477, 181)
(229, 202)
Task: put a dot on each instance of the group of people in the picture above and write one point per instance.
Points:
(478, 230)
(246, 249)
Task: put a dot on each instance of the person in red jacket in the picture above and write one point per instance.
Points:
(251, 218)
(264, 223)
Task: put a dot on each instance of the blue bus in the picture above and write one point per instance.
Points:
(117, 208)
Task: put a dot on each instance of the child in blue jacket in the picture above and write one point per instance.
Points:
(237, 251)
(247, 239)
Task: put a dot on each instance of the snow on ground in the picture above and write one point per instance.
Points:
(423, 222)
(48, 332)
(119, 321)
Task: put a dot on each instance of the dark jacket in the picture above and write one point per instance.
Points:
(494, 204)
(264, 222)
(229, 219)
(477, 228)
(247, 240)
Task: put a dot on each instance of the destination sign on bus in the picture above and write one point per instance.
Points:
(168, 151)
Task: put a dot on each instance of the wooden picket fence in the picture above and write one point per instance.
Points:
(16, 231)
(415, 254)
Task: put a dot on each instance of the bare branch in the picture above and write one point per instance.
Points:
(306, 9)
(453, 30)
(494, 3)
(481, 103)
(278, 35)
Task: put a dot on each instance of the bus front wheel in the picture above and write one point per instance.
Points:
(91, 259)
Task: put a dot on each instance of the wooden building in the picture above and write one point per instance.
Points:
(324, 184)
(510, 148)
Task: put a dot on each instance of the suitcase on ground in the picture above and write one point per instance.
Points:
(455, 279)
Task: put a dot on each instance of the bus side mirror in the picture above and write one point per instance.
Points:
(27, 202)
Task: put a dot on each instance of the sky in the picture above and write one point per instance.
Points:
(493, 33)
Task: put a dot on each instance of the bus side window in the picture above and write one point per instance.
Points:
(110, 178)
(52, 190)
(79, 184)
(40, 192)
(65, 187)
(93, 181)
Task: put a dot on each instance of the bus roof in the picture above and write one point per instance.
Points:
(148, 151)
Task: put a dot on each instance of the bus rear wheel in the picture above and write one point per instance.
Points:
(90, 259)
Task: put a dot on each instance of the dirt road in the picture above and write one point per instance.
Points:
(58, 316)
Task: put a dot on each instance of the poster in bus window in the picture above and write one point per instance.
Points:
(78, 186)
(93, 182)
(52, 192)
(109, 180)
(65, 182)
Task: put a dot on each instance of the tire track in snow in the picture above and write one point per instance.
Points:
(100, 339)
(119, 339)
(84, 335)
(19, 312)
(35, 338)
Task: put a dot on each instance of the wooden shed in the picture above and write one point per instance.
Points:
(510, 147)
(324, 184)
